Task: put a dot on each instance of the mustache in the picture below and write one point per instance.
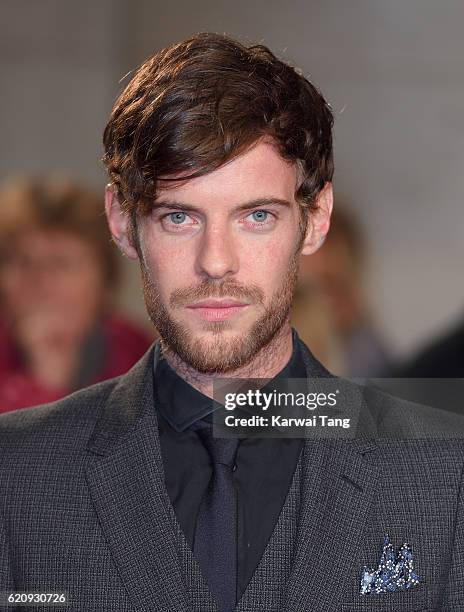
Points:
(231, 289)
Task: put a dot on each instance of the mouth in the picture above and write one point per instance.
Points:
(217, 310)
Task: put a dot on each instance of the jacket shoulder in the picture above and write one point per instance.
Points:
(66, 422)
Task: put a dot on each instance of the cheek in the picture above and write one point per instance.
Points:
(166, 274)
(171, 265)
(267, 266)
(16, 293)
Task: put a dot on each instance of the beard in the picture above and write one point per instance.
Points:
(221, 352)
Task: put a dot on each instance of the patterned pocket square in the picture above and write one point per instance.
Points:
(395, 571)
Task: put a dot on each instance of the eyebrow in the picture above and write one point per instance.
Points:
(245, 206)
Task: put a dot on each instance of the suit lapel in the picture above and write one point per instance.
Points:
(126, 482)
(338, 490)
(339, 485)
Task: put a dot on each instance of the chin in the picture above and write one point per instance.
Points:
(206, 328)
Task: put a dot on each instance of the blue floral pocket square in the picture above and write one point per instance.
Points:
(395, 571)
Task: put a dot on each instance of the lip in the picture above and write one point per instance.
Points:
(217, 304)
(217, 310)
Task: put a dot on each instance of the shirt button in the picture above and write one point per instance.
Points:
(234, 467)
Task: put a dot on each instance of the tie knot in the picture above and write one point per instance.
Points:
(222, 450)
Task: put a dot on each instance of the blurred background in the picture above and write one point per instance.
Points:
(387, 283)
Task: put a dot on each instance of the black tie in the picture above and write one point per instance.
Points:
(215, 544)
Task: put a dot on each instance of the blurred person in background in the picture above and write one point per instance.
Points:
(58, 275)
(315, 325)
(334, 276)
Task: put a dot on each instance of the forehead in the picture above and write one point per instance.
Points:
(260, 172)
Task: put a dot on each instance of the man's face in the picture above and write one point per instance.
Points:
(219, 260)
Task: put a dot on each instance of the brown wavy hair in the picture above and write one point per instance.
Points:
(198, 104)
(57, 204)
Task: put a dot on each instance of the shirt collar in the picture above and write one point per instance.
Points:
(182, 405)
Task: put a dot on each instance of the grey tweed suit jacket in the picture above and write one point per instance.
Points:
(84, 511)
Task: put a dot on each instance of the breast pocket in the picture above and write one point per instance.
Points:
(410, 600)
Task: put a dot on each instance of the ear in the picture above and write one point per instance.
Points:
(318, 221)
(119, 223)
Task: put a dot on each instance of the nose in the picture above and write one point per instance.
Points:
(217, 256)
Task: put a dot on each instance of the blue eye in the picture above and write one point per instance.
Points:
(177, 217)
(260, 215)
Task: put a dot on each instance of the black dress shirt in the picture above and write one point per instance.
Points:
(264, 466)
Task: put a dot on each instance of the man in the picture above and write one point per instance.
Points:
(119, 497)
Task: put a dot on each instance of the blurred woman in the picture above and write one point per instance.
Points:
(58, 275)
(335, 277)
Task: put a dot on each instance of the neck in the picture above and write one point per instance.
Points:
(268, 362)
